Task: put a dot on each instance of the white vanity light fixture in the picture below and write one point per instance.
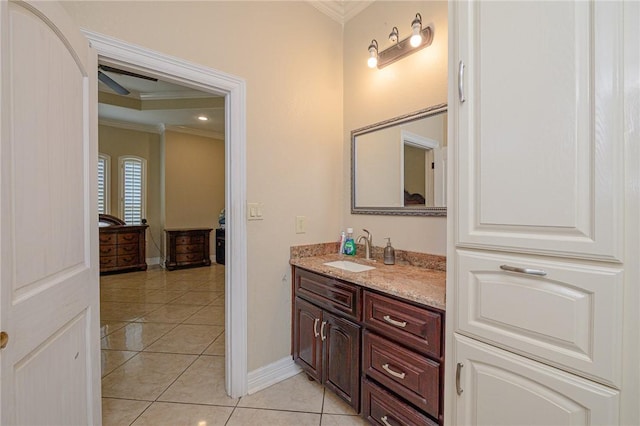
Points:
(372, 62)
(419, 39)
(203, 118)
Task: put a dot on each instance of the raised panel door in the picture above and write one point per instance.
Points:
(341, 358)
(538, 135)
(307, 345)
(498, 388)
(571, 317)
(49, 288)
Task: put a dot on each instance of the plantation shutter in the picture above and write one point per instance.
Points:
(132, 191)
(102, 202)
(103, 184)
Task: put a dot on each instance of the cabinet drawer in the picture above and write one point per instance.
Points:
(189, 239)
(108, 250)
(382, 408)
(127, 260)
(334, 295)
(108, 238)
(124, 249)
(570, 318)
(128, 237)
(408, 374)
(189, 248)
(189, 257)
(416, 327)
(107, 261)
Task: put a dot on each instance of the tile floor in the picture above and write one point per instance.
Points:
(163, 359)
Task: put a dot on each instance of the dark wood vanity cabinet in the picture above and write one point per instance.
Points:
(402, 365)
(326, 340)
(187, 248)
(358, 342)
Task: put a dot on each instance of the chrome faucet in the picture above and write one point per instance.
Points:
(367, 243)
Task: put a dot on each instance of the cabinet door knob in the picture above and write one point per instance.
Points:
(315, 328)
(458, 368)
(385, 422)
(322, 336)
(386, 368)
(391, 321)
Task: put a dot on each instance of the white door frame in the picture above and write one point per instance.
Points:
(178, 71)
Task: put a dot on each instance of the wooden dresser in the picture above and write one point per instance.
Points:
(187, 247)
(122, 246)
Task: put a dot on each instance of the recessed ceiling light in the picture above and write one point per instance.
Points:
(203, 118)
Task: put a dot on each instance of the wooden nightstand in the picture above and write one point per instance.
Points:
(187, 247)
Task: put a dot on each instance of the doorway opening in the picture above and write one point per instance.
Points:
(121, 55)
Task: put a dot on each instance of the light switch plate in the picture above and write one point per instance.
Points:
(254, 211)
(301, 224)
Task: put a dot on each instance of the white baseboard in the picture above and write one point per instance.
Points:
(271, 374)
(153, 260)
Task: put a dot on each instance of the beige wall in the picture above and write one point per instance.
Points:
(194, 181)
(372, 95)
(291, 58)
(117, 142)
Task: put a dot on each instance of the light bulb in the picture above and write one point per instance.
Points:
(415, 41)
(372, 62)
(416, 28)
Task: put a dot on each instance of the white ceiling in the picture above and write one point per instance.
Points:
(177, 118)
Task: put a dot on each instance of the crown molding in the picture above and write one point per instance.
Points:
(196, 132)
(147, 128)
(340, 11)
(190, 94)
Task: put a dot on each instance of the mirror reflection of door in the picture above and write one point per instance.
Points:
(399, 165)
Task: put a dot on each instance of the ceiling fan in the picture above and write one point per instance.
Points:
(114, 85)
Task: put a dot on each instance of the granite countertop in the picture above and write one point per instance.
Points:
(416, 283)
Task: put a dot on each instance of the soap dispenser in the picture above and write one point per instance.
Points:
(389, 253)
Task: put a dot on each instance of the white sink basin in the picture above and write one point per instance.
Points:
(349, 266)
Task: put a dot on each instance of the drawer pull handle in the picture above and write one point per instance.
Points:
(393, 373)
(384, 419)
(458, 368)
(391, 321)
(322, 336)
(538, 272)
(315, 328)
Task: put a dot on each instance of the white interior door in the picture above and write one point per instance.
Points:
(50, 371)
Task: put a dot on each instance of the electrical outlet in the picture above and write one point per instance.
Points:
(301, 224)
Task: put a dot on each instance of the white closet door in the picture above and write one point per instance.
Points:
(503, 389)
(539, 133)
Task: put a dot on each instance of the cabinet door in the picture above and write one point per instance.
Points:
(571, 317)
(500, 389)
(307, 346)
(341, 360)
(539, 134)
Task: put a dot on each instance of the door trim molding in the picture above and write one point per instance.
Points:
(139, 59)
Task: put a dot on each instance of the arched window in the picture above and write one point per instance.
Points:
(132, 189)
(104, 177)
